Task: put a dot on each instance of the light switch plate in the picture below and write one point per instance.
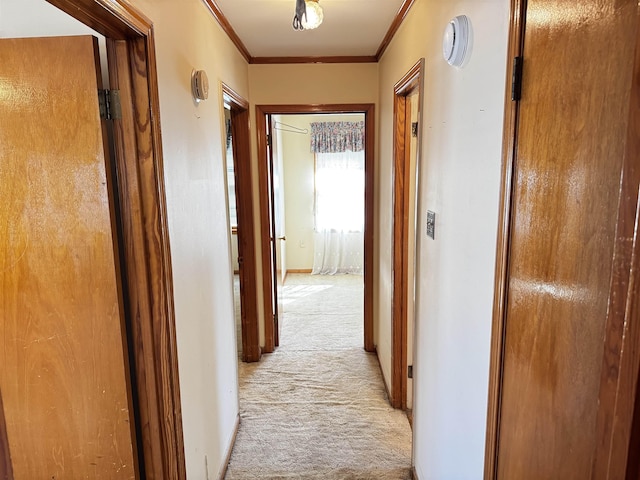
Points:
(431, 224)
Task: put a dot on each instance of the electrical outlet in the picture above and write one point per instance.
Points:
(302, 244)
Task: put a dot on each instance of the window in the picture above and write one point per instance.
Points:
(339, 192)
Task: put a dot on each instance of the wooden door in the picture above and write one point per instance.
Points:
(413, 139)
(406, 110)
(276, 230)
(6, 469)
(244, 210)
(570, 138)
(64, 368)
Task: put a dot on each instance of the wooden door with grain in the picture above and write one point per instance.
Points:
(570, 137)
(62, 345)
(276, 229)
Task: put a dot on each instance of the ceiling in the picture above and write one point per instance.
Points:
(262, 29)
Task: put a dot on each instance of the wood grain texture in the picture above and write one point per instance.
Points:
(571, 131)
(633, 462)
(6, 468)
(618, 384)
(277, 233)
(115, 19)
(369, 225)
(162, 432)
(265, 228)
(369, 111)
(410, 83)
(64, 375)
(246, 236)
(161, 354)
(138, 303)
(398, 300)
(517, 10)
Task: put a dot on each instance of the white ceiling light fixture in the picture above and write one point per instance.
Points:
(308, 15)
(314, 16)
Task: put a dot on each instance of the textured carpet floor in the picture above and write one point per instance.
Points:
(317, 407)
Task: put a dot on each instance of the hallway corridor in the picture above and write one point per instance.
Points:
(317, 407)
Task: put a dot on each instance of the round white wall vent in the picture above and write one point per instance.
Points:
(456, 41)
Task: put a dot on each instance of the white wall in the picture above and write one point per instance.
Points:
(459, 180)
(298, 192)
(193, 142)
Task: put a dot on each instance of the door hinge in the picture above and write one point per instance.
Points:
(268, 140)
(414, 129)
(516, 79)
(110, 108)
(410, 371)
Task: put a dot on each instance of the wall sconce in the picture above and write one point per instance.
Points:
(199, 85)
(456, 43)
(309, 15)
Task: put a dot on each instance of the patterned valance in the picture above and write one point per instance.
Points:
(334, 137)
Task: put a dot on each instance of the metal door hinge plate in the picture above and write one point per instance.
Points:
(110, 107)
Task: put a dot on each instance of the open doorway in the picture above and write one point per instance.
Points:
(407, 101)
(318, 171)
(271, 232)
(241, 229)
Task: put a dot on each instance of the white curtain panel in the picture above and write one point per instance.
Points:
(338, 252)
(339, 235)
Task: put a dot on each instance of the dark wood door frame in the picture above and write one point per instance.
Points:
(410, 83)
(618, 423)
(142, 215)
(240, 139)
(6, 467)
(516, 35)
(262, 111)
(618, 418)
(274, 235)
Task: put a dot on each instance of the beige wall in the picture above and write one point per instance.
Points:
(459, 180)
(303, 85)
(298, 192)
(192, 134)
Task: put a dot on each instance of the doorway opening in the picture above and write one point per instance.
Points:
(272, 233)
(318, 177)
(241, 229)
(407, 123)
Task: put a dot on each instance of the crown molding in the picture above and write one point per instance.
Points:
(395, 25)
(334, 59)
(226, 26)
(233, 36)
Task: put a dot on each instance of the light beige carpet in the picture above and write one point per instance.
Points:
(317, 407)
